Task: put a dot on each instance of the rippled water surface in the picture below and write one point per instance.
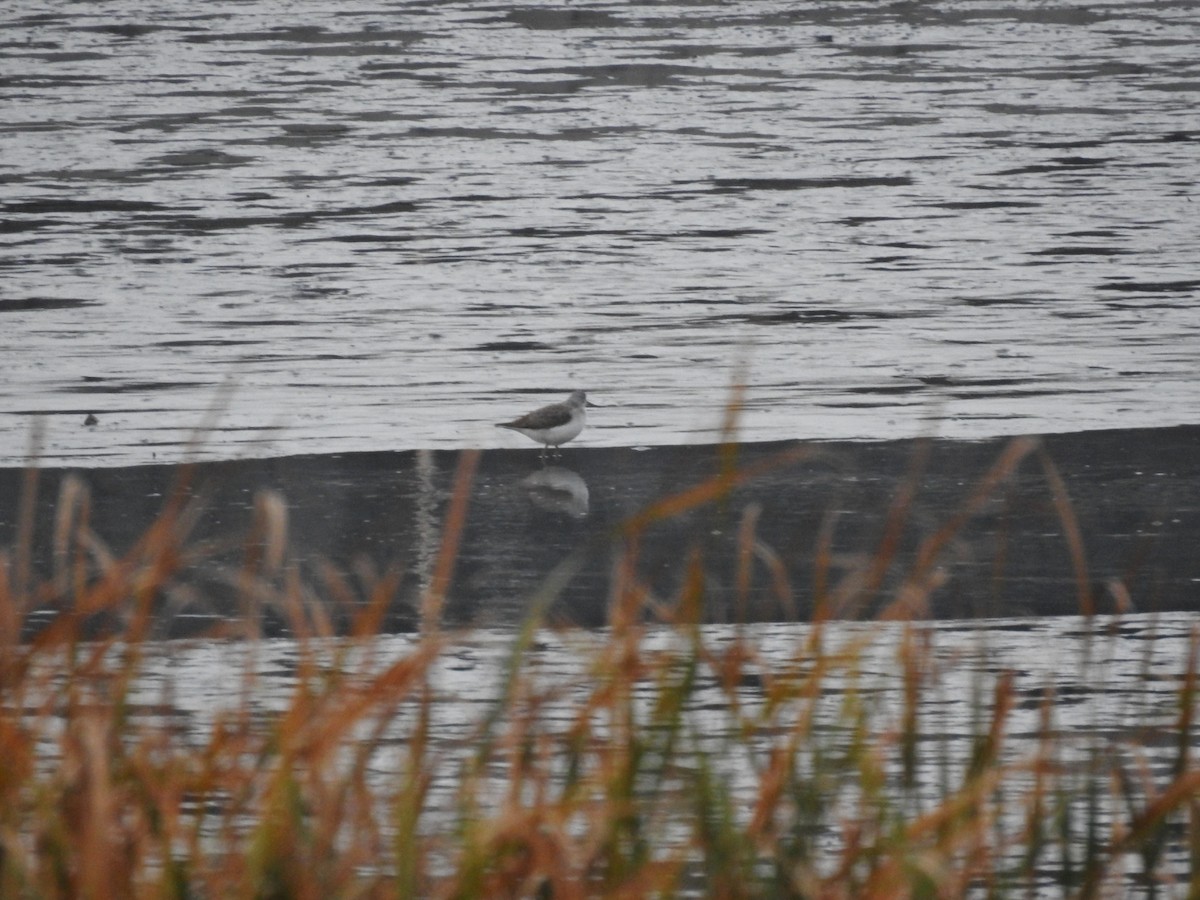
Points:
(389, 225)
(1114, 685)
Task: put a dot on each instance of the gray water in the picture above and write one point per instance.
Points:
(356, 226)
(1115, 684)
(353, 227)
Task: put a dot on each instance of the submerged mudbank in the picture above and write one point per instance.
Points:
(1101, 521)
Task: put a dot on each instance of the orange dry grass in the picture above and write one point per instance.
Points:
(629, 799)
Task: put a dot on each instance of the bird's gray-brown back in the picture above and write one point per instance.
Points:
(551, 416)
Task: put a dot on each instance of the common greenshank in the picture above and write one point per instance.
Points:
(555, 424)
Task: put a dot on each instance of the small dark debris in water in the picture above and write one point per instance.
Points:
(1176, 136)
(824, 38)
(91, 420)
(751, 680)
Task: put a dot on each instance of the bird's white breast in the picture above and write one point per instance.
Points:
(560, 434)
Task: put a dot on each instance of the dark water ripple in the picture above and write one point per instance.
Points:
(390, 226)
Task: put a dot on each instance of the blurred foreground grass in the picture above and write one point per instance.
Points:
(632, 781)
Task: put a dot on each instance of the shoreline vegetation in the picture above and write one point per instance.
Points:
(681, 761)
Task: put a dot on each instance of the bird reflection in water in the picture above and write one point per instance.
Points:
(558, 490)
